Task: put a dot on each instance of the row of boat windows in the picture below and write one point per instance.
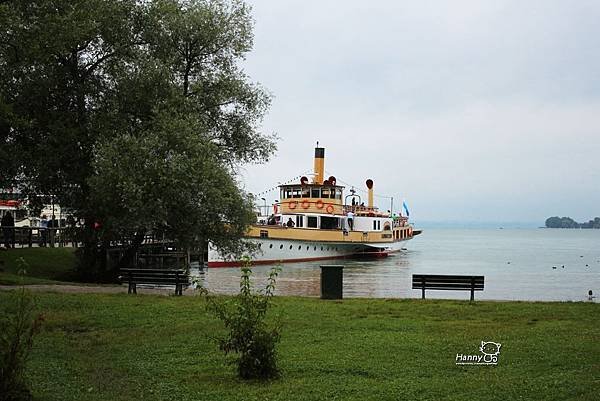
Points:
(328, 248)
(330, 193)
(332, 223)
(401, 234)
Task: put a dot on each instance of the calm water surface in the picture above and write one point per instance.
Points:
(517, 265)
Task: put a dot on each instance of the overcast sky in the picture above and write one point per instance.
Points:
(469, 110)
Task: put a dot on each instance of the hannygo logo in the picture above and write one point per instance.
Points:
(490, 351)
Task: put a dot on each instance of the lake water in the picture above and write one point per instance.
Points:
(517, 265)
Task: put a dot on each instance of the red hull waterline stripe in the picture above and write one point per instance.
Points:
(272, 261)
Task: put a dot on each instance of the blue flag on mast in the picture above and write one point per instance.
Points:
(405, 208)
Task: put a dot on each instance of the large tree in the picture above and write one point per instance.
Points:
(134, 114)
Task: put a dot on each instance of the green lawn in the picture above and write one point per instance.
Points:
(120, 347)
(46, 265)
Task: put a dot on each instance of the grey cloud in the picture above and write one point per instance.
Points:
(466, 108)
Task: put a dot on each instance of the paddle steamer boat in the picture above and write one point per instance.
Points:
(317, 221)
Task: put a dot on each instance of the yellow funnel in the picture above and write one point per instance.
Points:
(319, 165)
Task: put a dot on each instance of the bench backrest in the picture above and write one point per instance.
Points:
(155, 276)
(447, 282)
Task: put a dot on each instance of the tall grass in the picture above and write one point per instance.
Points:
(20, 321)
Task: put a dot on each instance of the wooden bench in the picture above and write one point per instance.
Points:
(447, 282)
(177, 277)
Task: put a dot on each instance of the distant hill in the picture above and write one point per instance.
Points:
(567, 222)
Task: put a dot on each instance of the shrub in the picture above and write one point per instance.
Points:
(19, 323)
(248, 335)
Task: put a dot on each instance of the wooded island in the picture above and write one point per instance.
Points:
(567, 222)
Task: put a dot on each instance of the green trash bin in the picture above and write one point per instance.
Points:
(332, 277)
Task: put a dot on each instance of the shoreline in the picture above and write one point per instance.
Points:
(116, 289)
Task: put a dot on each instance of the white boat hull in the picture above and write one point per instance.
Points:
(272, 250)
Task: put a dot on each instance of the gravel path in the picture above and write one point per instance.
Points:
(88, 289)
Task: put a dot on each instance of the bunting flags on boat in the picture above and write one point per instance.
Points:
(293, 180)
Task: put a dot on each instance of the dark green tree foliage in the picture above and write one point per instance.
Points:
(55, 63)
(561, 222)
(133, 114)
(567, 222)
(592, 223)
(168, 181)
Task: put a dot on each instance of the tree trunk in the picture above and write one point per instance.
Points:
(88, 266)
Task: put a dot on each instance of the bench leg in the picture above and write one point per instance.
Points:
(422, 293)
(472, 295)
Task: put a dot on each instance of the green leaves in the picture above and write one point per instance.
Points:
(136, 113)
(168, 180)
(248, 336)
(19, 325)
(55, 64)
(201, 42)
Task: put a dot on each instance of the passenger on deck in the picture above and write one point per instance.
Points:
(350, 217)
(290, 223)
